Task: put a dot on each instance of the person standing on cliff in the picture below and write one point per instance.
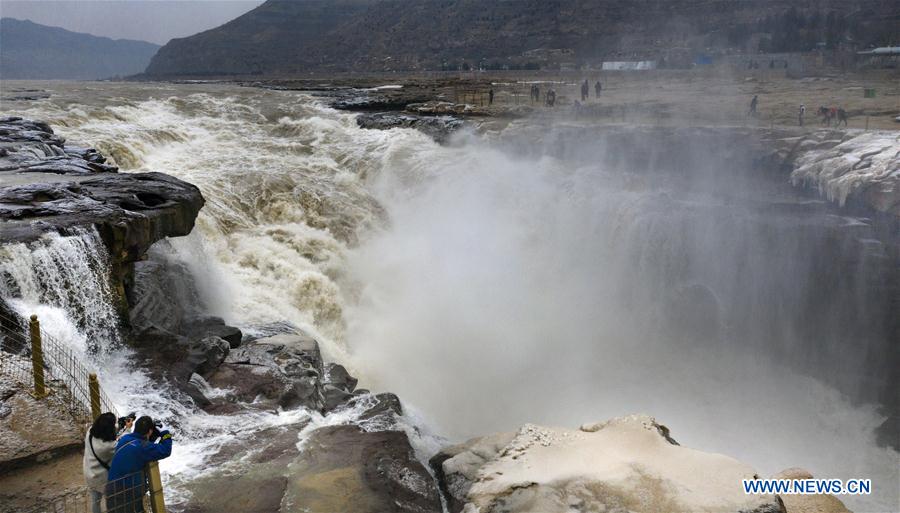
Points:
(491, 96)
(753, 104)
(801, 113)
(598, 88)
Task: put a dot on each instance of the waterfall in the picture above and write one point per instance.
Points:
(70, 274)
(564, 284)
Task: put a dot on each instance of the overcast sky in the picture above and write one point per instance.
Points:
(156, 21)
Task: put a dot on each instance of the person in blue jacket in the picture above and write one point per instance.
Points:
(125, 487)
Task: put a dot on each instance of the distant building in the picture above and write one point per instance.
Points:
(628, 65)
(884, 57)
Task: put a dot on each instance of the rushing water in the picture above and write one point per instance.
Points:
(485, 288)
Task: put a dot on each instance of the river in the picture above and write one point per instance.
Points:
(486, 287)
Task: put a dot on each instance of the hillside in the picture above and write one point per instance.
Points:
(32, 51)
(283, 37)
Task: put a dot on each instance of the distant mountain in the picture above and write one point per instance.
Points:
(32, 51)
(288, 37)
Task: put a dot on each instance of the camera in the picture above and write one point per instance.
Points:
(124, 420)
(154, 435)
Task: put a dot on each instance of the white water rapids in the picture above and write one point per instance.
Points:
(485, 289)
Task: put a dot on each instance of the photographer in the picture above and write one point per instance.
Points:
(125, 489)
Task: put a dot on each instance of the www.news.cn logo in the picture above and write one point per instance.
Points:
(808, 486)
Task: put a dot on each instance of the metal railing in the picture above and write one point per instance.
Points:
(32, 359)
(135, 492)
(47, 365)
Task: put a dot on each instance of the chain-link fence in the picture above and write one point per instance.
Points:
(129, 494)
(66, 373)
(32, 359)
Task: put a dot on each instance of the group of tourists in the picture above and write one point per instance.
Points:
(586, 88)
(829, 115)
(116, 451)
(550, 97)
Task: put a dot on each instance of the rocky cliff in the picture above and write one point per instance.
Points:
(48, 187)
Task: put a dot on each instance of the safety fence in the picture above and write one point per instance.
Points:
(136, 492)
(33, 359)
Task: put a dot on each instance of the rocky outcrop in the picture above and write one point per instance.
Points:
(626, 464)
(344, 468)
(130, 211)
(28, 146)
(438, 128)
(47, 186)
(456, 467)
(851, 166)
(336, 468)
(281, 371)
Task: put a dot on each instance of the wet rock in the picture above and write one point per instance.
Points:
(210, 326)
(12, 329)
(165, 355)
(855, 166)
(334, 397)
(259, 331)
(150, 302)
(196, 389)
(338, 469)
(260, 487)
(344, 468)
(382, 100)
(31, 147)
(214, 351)
(438, 128)
(130, 211)
(456, 467)
(337, 376)
(440, 108)
(381, 409)
(46, 186)
(162, 293)
(281, 371)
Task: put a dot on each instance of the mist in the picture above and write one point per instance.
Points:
(555, 287)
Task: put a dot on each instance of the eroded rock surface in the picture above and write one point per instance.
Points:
(628, 464)
(438, 128)
(47, 186)
(28, 146)
(365, 467)
(130, 211)
(852, 166)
